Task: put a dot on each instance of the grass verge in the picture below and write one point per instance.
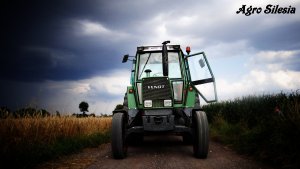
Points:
(266, 127)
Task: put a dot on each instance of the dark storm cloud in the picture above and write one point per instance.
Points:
(38, 42)
(38, 64)
(52, 26)
(48, 25)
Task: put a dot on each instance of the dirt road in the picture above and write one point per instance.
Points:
(157, 152)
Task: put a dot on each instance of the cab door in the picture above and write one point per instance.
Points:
(201, 76)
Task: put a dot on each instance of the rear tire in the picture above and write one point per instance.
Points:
(118, 136)
(201, 134)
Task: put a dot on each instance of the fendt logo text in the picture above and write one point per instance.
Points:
(156, 87)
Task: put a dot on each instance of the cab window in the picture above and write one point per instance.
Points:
(153, 61)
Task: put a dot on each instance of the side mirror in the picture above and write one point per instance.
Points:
(125, 58)
(201, 63)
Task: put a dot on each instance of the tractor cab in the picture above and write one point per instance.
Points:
(164, 97)
(168, 75)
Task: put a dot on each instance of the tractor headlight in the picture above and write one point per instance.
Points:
(148, 103)
(167, 103)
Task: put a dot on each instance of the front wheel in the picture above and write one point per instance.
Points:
(200, 132)
(118, 136)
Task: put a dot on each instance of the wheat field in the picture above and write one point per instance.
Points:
(49, 129)
(27, 141)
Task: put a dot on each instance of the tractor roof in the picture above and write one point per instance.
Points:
(157, 48)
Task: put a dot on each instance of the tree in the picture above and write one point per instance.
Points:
(83, 106)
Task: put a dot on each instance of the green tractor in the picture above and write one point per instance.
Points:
(163, 98)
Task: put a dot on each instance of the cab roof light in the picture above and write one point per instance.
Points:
(188, 50)
(141, 49)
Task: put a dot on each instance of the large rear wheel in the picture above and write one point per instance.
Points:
(200, 132)
(118, 136)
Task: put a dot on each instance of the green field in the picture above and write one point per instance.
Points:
(266, 127)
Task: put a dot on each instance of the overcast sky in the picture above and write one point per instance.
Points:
(55, 54)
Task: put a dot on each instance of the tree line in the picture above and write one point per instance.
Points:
(24, 112)
(5, 112)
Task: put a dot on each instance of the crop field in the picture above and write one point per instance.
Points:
(27, 141)
(266, 127)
